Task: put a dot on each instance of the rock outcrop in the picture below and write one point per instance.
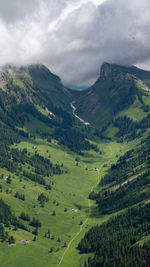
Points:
(115, 73)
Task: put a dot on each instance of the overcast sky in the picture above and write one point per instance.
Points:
(74, 37)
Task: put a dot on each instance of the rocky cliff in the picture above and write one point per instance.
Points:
(116, 73)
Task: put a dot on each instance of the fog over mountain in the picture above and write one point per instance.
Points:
(74, 37)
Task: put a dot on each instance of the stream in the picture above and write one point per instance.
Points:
(73, 112)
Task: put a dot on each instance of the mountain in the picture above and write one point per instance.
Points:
(34, 96)
(33, 84)
(125, 192)
(22, 95)
(74, 193)
(118, 89)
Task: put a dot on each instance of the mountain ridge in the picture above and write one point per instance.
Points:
(114, 91)
(59, 177)
(111, 71)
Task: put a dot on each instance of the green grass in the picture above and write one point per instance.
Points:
(111, 131)
(35, 125)
(44, 111)
(134, 112)
(70, 190)
(146, 98)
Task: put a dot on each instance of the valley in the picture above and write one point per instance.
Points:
(70, 190)
(72, 164)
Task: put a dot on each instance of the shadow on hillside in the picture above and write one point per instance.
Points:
(94, 211)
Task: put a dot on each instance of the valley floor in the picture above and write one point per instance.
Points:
(74, 212)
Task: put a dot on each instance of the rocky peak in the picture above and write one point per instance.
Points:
(115, 73)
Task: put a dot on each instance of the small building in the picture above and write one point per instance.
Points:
(94, 169)
(24, 242)
(73, 210)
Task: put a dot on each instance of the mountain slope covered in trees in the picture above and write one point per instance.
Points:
(60, 178)
(118, 89)
(124, 191)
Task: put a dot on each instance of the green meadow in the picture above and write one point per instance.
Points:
(68, 214)
(57, 240)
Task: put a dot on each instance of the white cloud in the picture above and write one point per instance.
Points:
(74, 37)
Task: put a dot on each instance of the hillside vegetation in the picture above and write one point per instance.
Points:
(71, 194)
(114, 94)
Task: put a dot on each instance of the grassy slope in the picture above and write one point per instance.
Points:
(70, 190)
(50, 85)
(111, 96)
(134, 112)
(101, 99)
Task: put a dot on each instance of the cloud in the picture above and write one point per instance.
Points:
(74, 37)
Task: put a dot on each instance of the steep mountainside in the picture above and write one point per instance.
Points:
(124, 239)
(117, 89)
(33, 95)
(32, 84)
(21, 94)
(61, 179)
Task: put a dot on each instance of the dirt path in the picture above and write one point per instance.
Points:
(81, 227)
(115, 187)
(89, 205)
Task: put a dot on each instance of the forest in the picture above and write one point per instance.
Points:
(127, 182)
(116, 242)
(129, 129)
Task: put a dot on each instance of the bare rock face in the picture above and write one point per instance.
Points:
(115, 73)
(2, 80)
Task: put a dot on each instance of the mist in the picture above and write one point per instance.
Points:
(74, 37)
